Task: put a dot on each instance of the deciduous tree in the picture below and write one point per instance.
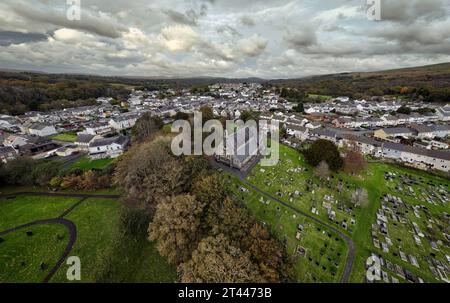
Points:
(216, 260)
(354, 162)
(176, 227)
(148, 172)
(324, 150)
(146, 127)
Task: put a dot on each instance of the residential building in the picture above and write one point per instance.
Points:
(387, 133)
(97, 128)
(42, 130)
(108, 147)
(83, 141)
(123, 121)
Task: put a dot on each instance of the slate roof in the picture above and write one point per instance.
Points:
(84, 138)
(121, 140)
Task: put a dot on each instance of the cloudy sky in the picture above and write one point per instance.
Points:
(230, 38)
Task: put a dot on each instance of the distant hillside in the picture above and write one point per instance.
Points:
(431, 83)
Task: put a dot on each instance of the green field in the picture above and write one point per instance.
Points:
(25, 209)
(86, 164)
(65, 137)
(21, 256)
(292, 181)
(97, 222)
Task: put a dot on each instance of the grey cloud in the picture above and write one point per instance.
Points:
(248, 21)
(98, 25)
(228, 30)
(8, 37)
(302, 37)
(138, 37)
(189, 18)
(409, 11)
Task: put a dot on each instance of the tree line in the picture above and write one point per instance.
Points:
(18, 96)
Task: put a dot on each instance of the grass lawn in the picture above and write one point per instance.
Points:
(86, 164)
(136, 260)
(97, 223)
(292, 181)
(25, 209)
(21, 256)
(65, 137)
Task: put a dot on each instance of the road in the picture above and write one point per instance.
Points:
(351, 247)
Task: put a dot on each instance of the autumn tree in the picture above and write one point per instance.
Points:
(228, 218)
(176, 227)
(268, 253)
(324, 150)
(195, 167)
(209, 189)
(216, 260)
(146, 127)
(322, 171)
(354, 162)
(148, 172)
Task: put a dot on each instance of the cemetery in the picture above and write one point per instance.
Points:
(318, 254)
(412, 226)
(397, 213)
(336, 200)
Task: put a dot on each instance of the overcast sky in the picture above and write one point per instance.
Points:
(229, 38)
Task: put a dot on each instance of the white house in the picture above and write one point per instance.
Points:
(108, 147)
(42, 130)
(443, 113)
(123, 121)
(423, 131)
(97, 128)
(83, 141)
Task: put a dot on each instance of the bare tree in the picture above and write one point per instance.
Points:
(322, 170)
